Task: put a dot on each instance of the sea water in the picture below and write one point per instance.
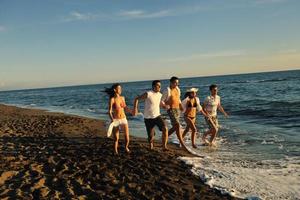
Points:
(258, 146)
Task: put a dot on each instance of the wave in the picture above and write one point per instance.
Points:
(267, 179)
(91, 110)
(31, 105)
(262, 81)
(264, 108)
(273, 80)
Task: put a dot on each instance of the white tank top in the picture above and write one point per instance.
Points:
(152, 105)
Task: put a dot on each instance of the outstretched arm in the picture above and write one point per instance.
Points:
(181, 107)
(164, 105)
(222, 110)
(136, 102)
(204, 113)
(200, 108)
(126, 108)
(163, 101)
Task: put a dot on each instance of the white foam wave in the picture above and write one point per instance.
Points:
(91, 110)
(27, 106)
(268, 179)
(267, 142)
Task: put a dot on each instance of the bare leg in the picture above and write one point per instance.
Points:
(165, 138)
(171, 131)
(191, 123)
(186, 130)
(126, 134)
(179, 136)
(151, 139)
(213, 135)
(205, 135)
(116, 137)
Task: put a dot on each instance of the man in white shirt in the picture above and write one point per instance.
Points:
(212, 103)
(152, 115)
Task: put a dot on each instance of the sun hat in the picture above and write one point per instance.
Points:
(192, 90)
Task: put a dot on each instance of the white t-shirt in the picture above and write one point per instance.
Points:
(152, 105)
(212, 104)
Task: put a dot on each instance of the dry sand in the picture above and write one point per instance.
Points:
(47, 155)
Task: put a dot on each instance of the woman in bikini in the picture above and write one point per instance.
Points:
(191, 104)
(116, 111)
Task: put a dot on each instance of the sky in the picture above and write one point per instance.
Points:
(54, 43)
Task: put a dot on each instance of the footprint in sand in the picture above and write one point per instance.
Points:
(6, 176)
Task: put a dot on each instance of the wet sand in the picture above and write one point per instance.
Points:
(46, 155)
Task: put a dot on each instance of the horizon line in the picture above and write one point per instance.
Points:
(136, 81)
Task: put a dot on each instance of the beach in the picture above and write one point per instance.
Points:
(50, 155)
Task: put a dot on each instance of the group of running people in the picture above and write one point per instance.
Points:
(171, 101)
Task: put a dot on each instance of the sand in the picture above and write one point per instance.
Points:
(45, 155)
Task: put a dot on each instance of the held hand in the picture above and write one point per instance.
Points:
(181, 108)
(207, 115)
(134, 112)
(226, 115)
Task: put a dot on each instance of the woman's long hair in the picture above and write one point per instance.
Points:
(111, 91)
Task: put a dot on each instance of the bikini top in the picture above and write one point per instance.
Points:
(190, 105)
(119, 106)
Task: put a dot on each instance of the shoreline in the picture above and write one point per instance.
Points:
(55, 155)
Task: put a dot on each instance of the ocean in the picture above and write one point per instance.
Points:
(258, 146)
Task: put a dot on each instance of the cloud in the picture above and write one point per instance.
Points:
(2, 28)
(122, 15)
(175, 11)
(132, 14)
(228, 53)
(77, 16)
(140, 14)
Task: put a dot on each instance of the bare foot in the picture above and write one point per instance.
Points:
(213, 144)
(165, 149)
(127, 150)
(205, 142)
(151, 146)
(194, 146)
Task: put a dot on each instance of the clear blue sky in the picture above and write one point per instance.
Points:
(72, 42)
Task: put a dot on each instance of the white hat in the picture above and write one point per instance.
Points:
(192, 90)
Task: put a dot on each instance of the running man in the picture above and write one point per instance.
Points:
(171, 101)
(152, 115)
(212, 103)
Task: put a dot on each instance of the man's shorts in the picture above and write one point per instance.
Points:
(214, 119)
(174, 115)
(150, 123)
